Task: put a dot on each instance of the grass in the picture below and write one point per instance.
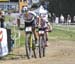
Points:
(58, 34)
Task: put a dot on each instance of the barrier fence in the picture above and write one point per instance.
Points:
(64, 26)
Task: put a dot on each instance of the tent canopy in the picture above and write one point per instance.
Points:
(40, 10)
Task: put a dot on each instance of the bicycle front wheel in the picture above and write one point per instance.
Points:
(28, 46)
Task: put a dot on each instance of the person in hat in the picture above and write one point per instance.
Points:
(1, 20)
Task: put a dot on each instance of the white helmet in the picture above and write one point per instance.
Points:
(25, 9)
(31, 12)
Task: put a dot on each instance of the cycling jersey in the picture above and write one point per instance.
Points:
(44, 17)
(29, 19)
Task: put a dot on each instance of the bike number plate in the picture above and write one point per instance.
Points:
(28, 29)
(41, 32)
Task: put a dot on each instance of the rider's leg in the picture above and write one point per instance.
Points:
(46, 43)
(36, 36)
(46, 36)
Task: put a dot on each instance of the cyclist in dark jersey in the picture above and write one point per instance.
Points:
(30, 20)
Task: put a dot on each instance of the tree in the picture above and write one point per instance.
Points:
(62, 6)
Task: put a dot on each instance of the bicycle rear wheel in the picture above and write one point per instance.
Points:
(44, 48)
(41, 46)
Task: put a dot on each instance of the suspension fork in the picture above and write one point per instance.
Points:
(30, 39)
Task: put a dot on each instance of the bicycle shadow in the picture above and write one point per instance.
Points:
(13, 57)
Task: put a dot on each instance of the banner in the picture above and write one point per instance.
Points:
(3, 42)
(35, 1)
(3, 0)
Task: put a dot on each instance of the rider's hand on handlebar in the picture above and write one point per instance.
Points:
(39, 26)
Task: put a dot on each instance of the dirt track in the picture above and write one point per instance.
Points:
(58, 52)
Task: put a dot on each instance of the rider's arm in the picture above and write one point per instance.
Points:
(39, 21)
(50, 26)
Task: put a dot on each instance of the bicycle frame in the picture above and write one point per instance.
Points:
(30, 44)
(41, 42)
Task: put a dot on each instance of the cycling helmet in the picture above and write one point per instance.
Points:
(25, 9)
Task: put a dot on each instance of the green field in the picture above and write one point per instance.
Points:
(56, 34)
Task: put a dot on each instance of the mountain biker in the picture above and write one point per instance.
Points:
(30, 20)
(45, 24)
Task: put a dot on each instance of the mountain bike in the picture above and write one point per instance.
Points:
(30, 42)
(42, 41)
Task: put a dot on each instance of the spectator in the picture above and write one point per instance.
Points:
(53, 17)
(49, 17)
(18, 22)
(74, 19)
(57, 20)
(68, 19)
(3, 13)
(62, 18)
(1, 20)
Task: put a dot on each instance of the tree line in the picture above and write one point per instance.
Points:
(62, 6)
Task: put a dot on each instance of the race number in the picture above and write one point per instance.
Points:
(28, 29)
(41, 32)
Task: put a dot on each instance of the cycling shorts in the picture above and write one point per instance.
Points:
(32, 23)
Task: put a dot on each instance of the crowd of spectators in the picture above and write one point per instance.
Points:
(62, 18)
